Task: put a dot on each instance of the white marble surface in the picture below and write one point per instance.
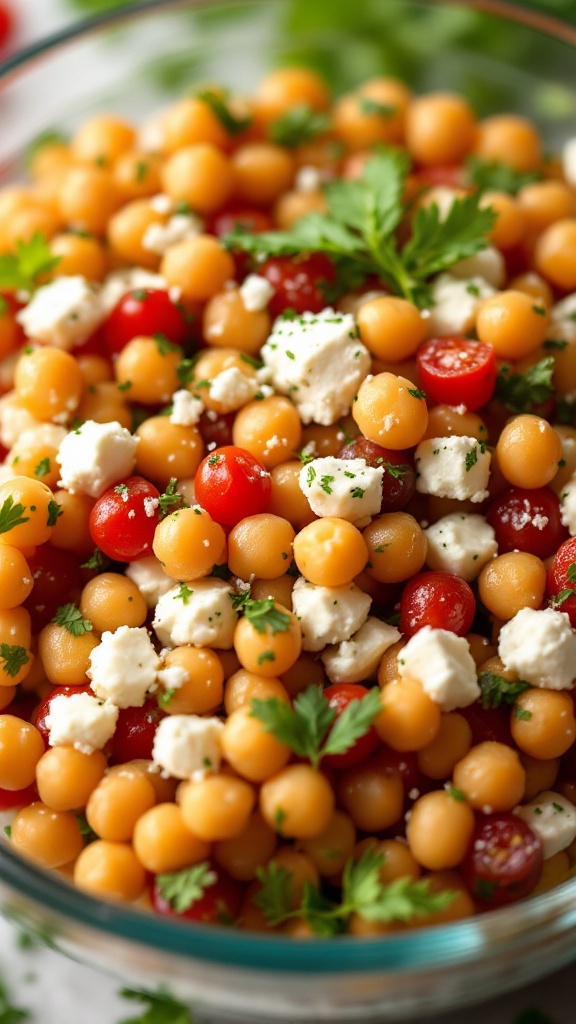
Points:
(59, 991)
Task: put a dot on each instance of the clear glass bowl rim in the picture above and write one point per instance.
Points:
(415, 950)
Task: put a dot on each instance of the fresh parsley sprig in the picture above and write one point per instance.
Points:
(159, 1008)
(21, 270)
(70, 616)
(520, 392)
(563, 595)
(14, 658)
(310, 727)
(493, 175)
(9, 1013)
(265, 616)
(362, 893)
(231, 122)
(11, 514)
(496, 690)
(358, 231)
(183, 888)
(171, 499)
(298, 125)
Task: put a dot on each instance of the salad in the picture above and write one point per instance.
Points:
(288, 509)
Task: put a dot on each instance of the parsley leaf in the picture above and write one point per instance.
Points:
(230, 121)
(496, 690)
(357, 232)
(183, 888)
(54, 512)
(306, 726)
(96, 560)
(43, 468)
(299, 124)
(395, 470)
(10, 1014)
(184, 593)
(492, 175)
(161, 1008)
(14, 658)
(275, 895)
(11, 515)
(520, 392)
(69, 616)
(32, 259)
(265, 617)
(164, 345)
(171, 499)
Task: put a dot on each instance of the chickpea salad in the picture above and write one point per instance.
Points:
(288, 509)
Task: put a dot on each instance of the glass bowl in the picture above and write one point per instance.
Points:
(133, 62)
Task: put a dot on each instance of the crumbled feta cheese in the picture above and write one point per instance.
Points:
(49, 434)
(204, 618)
(455, 304)
(569, 161)
(460, 543)
(488, 264)
(119, 282)
(63, 313)
(319, 362)
(568, 505)
(346, 488)
(159, 237)
(123, 666)
(552, 818)
(453, 467)
(328, 615)
(162, 204)
(150, 578)
(442, 664)
(255, 292)
(308, 179)
(81, 721)
(187, 746)
(95, 456)
(232, 389)
(186, 408)
(540, 645)
(172, 677)
(358, 658)
(14, 419)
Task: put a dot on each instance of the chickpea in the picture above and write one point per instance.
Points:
(163, 842)
(245, 853)
(279, 589)
(392, 329)
(66, 777)
(79, 254)
(528, 451)
(273, 651)
(545, 202)
(217, 807)
(188, 543)
(199, 174)
(439, 830)
(111, 870)
(101, 140)
(511, 221)
(262, 172)
(65, 657)
(35, 522)
(189, 122)
(21, 747)
(358, 121)
(227, 323)
(512, 581)
(200, 267)
(298, 802)
(150, 370)
(110, 600)
(137, 174)
(396, 547)
(305, 672)
(450, 744)
(260, 545)
(243, 686)
(270, 429)
(287, 498)
(409, 719)
(293, 205)
(373, 797)
(333, 848)
(388, 413)
(449, 421)
(16, 580)
(540, 774)
(202, 688)
(126, 233)
(50, 838)
(512, 323)
(440, 128)
(88, 197)
(117, 802)
(555, 254)
(253, 752)
(284, 88)
(330, 552)
(71, 531)
(104, 403)
(544, 727)
(491, 776)
(167, 450)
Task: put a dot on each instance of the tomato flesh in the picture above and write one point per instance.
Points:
(438, 599)
(144, 312)
(339, 696)
(559, 582)
(124, 518)
(133, 738)
(457, 371)
(57, 580)
(232, 484)
(299, 283)
(527, 520)
(504, 860)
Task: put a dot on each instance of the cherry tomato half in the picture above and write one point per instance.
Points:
(133, 737)
(6, 24)
(339, 697)
(438, 599)
(399, 479)
(144, 312)
(527, 521)
(57, 579)
(504, 860)
(232, 484)
(12, 799)
(299, 283)
(124, 518)
(562, 578)
(457, 371)
(220, 903)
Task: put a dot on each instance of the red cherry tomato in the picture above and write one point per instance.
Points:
(144, 312)
(6, 24)
(504, 860)
(559, 579)
(220, 903)
(492, 724)
(438, 599)
(216, 430)
(404, 764)
(399, 480)
(527, 521)
(457, 371)
(43, 709)
(57, 580)
(299, 283)
(448, 175)
(124, 518)
(11, 799)
(339, 697)
(232, 484)
(133, 737)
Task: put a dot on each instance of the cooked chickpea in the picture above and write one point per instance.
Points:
(330, 552)
(16, 580)
(252, 750)
(391, 411)
(510, 582)
(243, 686)
(137, 174)
(217, 807)
(35, 523)
(49, 838)
(262, 172)
(544, 726)
(372, 796)
(528, 451)
(110, 869)
(334, 847)
(392, 329)
(126, 233)
(200, 175)
(270, 429)
(491, 776)
(511, 222)
(149, 368)
(260, 545)
(541, 774)
(439, 830)
(376, 112)
(512, 323)
(450, 421)
(272, 651)
(227, 323)
(188, 543)
(202, 687)
(163, 842)
(297, 802)
(450, 744)
(71, 531)
(245, 853)
(65, 657)
(200, 267)
(509, 139)
(79, 254)
(409, 719)
(21, 747)
(49, 383)
(284, 88)
(555, 254)
(440, 128)
(88, 197)
(396, 547)
(66, 777)
(101, 139)
(189, 122)
(117, 802)
(288, 499)
(279, 589)
(110, 600)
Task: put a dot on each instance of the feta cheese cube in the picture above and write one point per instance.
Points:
(119, 282)
(232, 389)
(308, 179)
(455, 304)
(204, 618)
(552, 818)
(180, 227)
(328, 615)
(540, 645)
(346, 488)
(569, 161)
(488, 264)
(150, 578)
(81, 721)
(123, 666)
(357, 659)
(319, 362)
(187, 746)
(568, 505)
(186, 408)
(460, 543)
(442, 664)
(172, 677)
(255, 292)
(95, 456)
(453, 467)
(63, 313)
